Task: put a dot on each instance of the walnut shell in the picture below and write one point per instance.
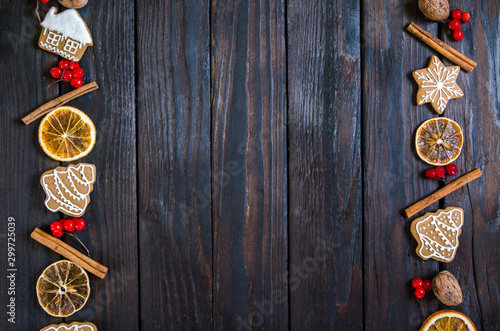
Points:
(446, 288)
(435, 10)
(73, 3)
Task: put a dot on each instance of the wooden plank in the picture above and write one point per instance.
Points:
(24, 78)
(476, 263)
(111, 233)
(323, 54)
(174, 165)
(392, 171)
(249, 165)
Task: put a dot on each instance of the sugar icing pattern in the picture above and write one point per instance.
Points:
(445, 227)
(69, 24)
(65, 34)
(66, 195)
(440, 82)
(75, 326)
(58, 51)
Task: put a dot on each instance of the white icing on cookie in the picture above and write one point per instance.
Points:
(75, 326)
(431, 248)
(58, 51)
(64, 191)
(69, 24)
(65, 328)
(440, 84)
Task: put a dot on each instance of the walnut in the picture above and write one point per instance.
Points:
(435, 10)
(446, 288)
(73, 3)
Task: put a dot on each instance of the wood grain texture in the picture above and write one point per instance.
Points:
(174, 165)
(476, 264)
(254, 161)
(323, 60)
(111, 233)
(23, 161)
(392, 171)
(249, 165)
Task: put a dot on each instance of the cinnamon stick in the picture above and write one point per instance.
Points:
(441, 47)
(441, 193)
(70, 253)
(58, 102)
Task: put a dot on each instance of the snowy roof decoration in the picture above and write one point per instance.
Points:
(69, 24)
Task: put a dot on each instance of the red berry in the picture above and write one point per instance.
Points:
(451, 169)
(64, 64)
(458, 35)
(57, 234)
(76, 82)
(67, 75)
(430, 173)
(56, 72)
(69, 225)
(427, 285)
(417, 283)
(62, 224)
(80, 224)
(56, 227)
(72, 65)
(454, 25)
(78, 73)
(45, 1)
(419, 293)
(456, 14)
(465, 17)
(440, 172)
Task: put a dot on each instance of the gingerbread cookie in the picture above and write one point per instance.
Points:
(65, 34)
(68, 188)
(75, 326)
(437, 84)
(437, 233)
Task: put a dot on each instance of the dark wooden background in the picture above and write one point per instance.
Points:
(254, 160)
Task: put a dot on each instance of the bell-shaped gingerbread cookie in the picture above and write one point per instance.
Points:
(68, 188)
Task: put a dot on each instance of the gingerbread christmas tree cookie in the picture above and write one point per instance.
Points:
(68, 188)
(65, 34)
(437, 233)
(437, 84)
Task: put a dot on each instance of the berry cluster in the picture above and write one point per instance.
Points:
(69, 72)
(455, 24)
(58, 227)
(421, 286)
(440, 172)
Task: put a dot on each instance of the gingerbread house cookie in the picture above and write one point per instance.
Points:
(65, 34)
(75, 326)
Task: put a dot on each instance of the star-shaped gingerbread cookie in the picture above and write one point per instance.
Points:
(437, 84)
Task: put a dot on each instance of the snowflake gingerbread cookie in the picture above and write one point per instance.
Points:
(437, 84)
(65, 34)
(437, 233)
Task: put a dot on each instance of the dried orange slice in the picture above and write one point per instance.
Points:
(439, 141)
(63, 288)
(66, 134)
(447, 320)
